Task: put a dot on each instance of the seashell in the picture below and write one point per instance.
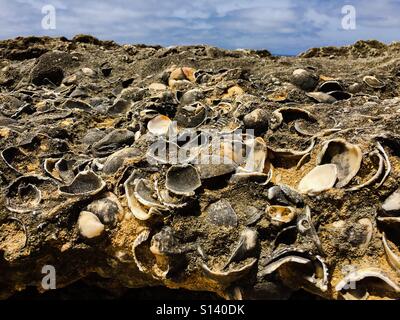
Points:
(12, 156)
(280, 215)
(392, 204)
(221, 213)
(304, 79)
(288, 114)
(367, 223)
(146, 195)
(76, 104)
(227, 277)
(116, 160)
(191, 96)
(316, 273)
(119, 106)
(393, 258)
(375, 177)
(373, 82)
(253, 215)
(329, 86)
(157, 86)
(350, 281)
(246, 245)
(191, 116)
(85, 183)
(107, 209)
(256, 120)
(182, 179)
(319, 179)
(23, 194)
(113, 141)
(89, 225)
(184, 73)
(141, 238)
(159, 125)
(290, 153)
(136, 208)
(387, 164)
(321, 97)
(346, 156)
(285, 195)
(60, 169)
(306, 228)
(340, 95)
(168, 199)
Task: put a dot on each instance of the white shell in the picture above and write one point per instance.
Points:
(319, 179)
(89, 225)
(159, 125)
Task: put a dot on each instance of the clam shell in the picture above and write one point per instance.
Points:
(329, 86)
(346, 156)
(288, 114)
(182, 179)
(370, 272)
(393, 258)
(373, 82)
(319, 179)
(247, 243)
(392, 204)
(85, 183)
(280, 215)
(321, 97)
(159, 125)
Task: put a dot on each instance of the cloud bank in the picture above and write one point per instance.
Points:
(283, 27)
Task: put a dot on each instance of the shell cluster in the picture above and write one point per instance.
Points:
(310, 200)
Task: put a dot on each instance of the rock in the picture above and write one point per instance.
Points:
(50, 68)
(257, 120)
(304, 80)
(90, 225)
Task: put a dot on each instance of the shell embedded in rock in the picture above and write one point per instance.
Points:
(373, 82)
(89, 225)
(221, 213)
(281, 215)
(107, 209)
(159, 125)
(321, 97)
(392, 204)
(319, 179)
(85, 183)
(366, 273)
(115, 140)
(182, 179)
(346, 156)
(329, 86)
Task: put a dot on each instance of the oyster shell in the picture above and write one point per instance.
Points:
(373, 82)
(182, 179)
(159, 125)
(221, 213)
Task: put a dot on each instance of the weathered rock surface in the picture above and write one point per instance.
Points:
(80, 192)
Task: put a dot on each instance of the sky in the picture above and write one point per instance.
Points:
(282, 27)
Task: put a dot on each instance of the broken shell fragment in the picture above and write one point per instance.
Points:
(280, 215)
(211, 166)
(346, 156)
(319, 179)
(288, 114)
(392, 204)
(221, 213)
(141, 238)
(146, 195)
(159, 125)
(89, 225)
(191, 116)
(285, 195)
(182, 179)
(107, 209)
(247, 243)
(85, 183)
(371, 273)
(227, 277)
(329, 86)
(373, 82)
(392, 257)
(112, 142)
(321, 97)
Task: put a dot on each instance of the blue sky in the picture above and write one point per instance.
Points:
(283, 26)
